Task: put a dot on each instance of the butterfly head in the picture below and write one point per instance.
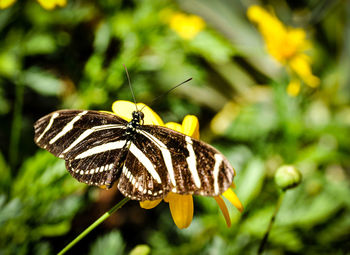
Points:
(137, 117)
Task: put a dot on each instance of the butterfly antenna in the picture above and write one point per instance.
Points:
(167, 92)
(132, 91)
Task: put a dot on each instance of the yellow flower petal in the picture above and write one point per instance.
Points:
(286, 45)
(223, 119)
(293, 88)
(282, 42)
(181, 208)
(231, 196)
(151, 117)
(297, 37)
(301, 65)
(273, 31)
(224, 210)
(6, 3)
(124, 110)
(186, 26)
(190, 126)
(107, 112)
(61, 2)
(174, 126)
(150, 204)
(51, 4)
(255, 13)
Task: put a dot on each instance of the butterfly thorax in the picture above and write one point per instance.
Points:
(137, 120)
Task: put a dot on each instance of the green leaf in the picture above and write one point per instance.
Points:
(257, 222)
(250, 180)
(42, 248)
(141, 249)
(287, 238)
(304, 210)
(253, 122)
(9, 210)
(337, 230)
(212, 47)
(4, 102)
(40, 43)
(102, 38)
(5, 173)
(109, 244)
(49, 230)
(43, 82)
(10, 64)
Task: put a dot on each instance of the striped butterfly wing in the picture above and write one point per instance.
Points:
(162, 160)
(143, 175)
(149, 160)
(92, 143)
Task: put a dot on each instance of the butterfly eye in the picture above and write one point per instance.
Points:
(142, 116)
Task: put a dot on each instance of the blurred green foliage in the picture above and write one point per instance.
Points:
(73, 57)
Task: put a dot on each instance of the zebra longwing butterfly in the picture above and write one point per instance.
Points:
(146, 161)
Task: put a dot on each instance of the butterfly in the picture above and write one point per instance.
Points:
(145, 161)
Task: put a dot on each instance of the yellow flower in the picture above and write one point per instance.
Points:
(6, 3)
(286, 44)
(181, 206)
(186, 26)
(46, 4)
(301, 66)
(293, 88)
(51, 4)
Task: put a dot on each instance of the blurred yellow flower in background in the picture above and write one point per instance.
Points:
(293, 88)
(6, 3)
(46, 4)
(287, 45)
(51, 4)
(181, 206)
(186, 26)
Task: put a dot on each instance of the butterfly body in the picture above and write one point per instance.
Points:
(146, 161)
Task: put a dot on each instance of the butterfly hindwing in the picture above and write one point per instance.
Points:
(180, 164)
(140, 179)
(198, 167)
(100, 168)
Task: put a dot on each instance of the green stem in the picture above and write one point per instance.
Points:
(272, 221)
(94, 225)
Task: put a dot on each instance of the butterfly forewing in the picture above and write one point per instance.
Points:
(55, 132)
(80, 137)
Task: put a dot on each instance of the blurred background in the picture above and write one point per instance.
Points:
(270, 87)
